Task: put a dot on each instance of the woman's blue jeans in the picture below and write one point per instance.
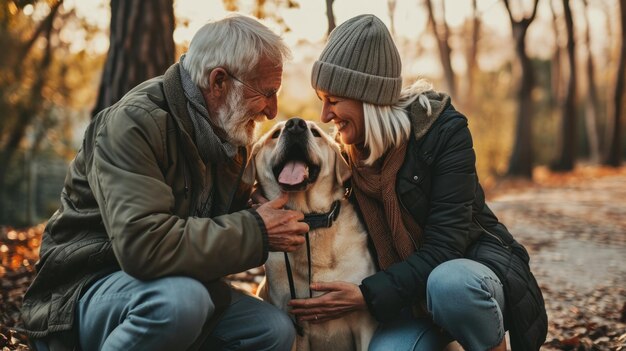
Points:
(466, 301)
(119, 312)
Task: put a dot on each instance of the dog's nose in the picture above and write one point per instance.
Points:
(295, 125)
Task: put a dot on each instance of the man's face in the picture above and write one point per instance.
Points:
(248, 105)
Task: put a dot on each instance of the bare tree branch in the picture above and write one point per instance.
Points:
(330, 15)
(43, 26)
(534, 13)
(508, 10)
(525, 20)
(442, 37)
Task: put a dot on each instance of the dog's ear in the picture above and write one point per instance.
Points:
(342, 169)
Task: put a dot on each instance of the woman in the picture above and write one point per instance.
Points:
(448, 269)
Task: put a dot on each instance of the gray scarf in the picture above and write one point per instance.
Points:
(210, 147)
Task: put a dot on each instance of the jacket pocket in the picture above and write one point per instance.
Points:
(78, 256)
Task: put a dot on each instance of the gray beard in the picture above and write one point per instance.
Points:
(234, 120)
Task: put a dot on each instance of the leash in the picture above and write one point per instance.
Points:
(315, 221)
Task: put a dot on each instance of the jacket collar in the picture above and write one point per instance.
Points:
(177, 104)
(421, 120)
(176, 100)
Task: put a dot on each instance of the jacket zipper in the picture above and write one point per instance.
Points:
(409, 234)
(185, 179)
(491, 234)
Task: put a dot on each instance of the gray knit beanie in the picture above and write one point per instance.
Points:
(361, 62)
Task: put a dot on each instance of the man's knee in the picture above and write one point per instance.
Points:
(183, 302)
(122, 310)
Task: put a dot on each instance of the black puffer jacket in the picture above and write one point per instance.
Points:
(438, 185)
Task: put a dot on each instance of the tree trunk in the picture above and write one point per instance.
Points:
(141, 47)
(521, 161)
(330, 15)
(567, 140)
(556, 94)
(613, 156)
(442, 37)
(472, 57)
(592, 107)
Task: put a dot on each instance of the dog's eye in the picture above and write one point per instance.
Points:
(316, 133)
(276, 134)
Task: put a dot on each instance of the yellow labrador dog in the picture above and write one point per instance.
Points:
(299, 158)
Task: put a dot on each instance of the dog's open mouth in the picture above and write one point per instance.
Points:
(295, 171)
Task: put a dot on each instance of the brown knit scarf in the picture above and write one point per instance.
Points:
(393, 231)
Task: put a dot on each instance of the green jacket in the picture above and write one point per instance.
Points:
(127, 204)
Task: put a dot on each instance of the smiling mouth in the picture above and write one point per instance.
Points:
(341, 125)
(295, 171)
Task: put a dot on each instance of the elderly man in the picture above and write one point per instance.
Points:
(153, 211)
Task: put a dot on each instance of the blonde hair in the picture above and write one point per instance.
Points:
(387, 126)
(236, 42)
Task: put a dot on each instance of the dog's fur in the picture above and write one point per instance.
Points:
(338, 253)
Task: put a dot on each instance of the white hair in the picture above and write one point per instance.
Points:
(237, 43)
(389, 126)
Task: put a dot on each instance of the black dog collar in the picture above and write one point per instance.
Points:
(323, 220)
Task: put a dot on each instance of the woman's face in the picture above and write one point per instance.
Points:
(347, 114)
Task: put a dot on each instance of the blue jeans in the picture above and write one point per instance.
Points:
(466, 301)
(119, 312)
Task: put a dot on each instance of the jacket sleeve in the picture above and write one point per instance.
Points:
(136, 205)
(446, 233)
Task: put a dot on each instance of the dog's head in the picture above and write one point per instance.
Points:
(296, 156)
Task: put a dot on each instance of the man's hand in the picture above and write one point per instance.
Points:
(340, 298)
(285, 232)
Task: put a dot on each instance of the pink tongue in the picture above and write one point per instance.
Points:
(294, 172)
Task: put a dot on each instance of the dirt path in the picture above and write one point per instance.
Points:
(576, 236)
(574, 228)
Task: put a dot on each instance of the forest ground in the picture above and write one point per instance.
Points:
(573, 225)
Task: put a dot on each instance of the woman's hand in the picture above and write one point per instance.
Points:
(340, 298)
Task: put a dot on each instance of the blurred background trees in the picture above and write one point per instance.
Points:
(42, 85)
(615, 149)
(567, 139)
(521, 161)
(542, 82)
